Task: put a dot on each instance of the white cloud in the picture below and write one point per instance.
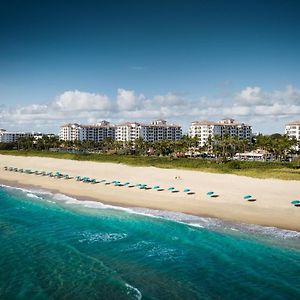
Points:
(76, 100)
(251, 103)
(128, 100)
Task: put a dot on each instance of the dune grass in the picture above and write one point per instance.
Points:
(278, 170)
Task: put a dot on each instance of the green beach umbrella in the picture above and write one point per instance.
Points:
(247, 197)
(156, 187)
(186, 190)
(210, 193)
(171, 188)
(295, 202)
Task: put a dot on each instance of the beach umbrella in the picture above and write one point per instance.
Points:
(103, 180)
(210, 193)
(156, 187)
(186, 190)
(126, 183)
(137, 185)
(171, 188)
(295, 202)
(246, 197)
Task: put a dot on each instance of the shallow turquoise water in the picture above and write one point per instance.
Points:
(54, 247)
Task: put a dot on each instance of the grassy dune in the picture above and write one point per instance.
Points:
(279, 170)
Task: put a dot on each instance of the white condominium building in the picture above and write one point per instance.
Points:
(156, 131)
(125, 132)
(71, 132)
(97, 132)
(11, 137)
(128, 132)
(160, 130)
(204, 129)
(292, 129)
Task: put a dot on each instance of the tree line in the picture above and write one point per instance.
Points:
(279, 146)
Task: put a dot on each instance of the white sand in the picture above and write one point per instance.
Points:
(272, 207)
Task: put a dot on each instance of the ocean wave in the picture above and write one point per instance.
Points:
(133, 291)
(190, 220)
(102, 237)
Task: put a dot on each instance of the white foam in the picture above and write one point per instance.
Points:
(102, 237)
(133, 291)
(190, 220)
(30, 195)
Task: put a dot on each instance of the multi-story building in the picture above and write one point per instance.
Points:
(155, 131)
(97, 132)
(71, 132)
(125, 132)
(205, 129)
(292, 129)
(128, 132)
(11, 137)
(160, 130)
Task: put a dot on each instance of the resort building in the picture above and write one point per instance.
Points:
(205, 129)
(124, 132)
(292, 129)
(128, 132)
(160, 130)
(96, 133)
(155, 131)
(11, 137)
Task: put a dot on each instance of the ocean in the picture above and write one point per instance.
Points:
(57, 247)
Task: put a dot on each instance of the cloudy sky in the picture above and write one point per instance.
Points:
(85, 61)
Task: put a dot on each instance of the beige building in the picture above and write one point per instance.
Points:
(97, 132)
(204, 129)
(124, 132)
(292, 129)
(155, 131)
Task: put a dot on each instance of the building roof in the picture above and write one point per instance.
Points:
(294, 123)
(211, 123)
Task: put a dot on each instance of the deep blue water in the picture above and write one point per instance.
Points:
(55, 247)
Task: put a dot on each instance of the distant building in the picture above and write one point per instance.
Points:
(11, 137)
(203, 129)
(156, 131)
(124, 132)
(292, 129)
(160, 130)
(97, 132)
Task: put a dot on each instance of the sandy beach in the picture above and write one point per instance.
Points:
(272, 207)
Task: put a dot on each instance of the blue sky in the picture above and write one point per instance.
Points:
(84, 61)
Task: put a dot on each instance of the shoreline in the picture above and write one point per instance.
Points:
(272, 207)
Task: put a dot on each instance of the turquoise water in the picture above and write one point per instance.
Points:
(55, 247)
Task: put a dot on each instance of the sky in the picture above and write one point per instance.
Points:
(85, 61)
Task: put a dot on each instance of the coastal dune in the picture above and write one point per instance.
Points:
(271, 208)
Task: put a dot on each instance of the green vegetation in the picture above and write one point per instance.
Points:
(216, 156)
(274, 169)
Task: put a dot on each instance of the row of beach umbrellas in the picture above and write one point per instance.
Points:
(141, 186)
